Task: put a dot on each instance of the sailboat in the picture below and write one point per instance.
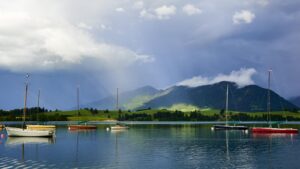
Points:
(22, 132)
(270, 129)
(80, 126)
(226, 126)
(118, 126)
(39, 126)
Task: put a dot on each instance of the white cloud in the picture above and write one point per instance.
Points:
(164, 12)
(30, 42)
(241, 77)
(146, 14)
(84, 26)
(243, 16)
(190, 9)
(138, 5)
(120, 9)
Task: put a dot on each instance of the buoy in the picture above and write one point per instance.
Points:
(107, 129)
(212, 128)
(2, 136)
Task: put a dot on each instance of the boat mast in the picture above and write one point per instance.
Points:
(78, 102)
(117, 105)
(25, 100)
(38, 105)
(226, 108)
(269, 95)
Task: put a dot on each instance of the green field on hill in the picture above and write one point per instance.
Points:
(172, 115)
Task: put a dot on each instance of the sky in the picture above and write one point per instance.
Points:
(99, 45)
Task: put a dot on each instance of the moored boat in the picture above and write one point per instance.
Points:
(270, 129)
(226, 126)
(274, 130)
(22, 132)
(118, 127)
(82, 127)
(41, 127)
(19, 132)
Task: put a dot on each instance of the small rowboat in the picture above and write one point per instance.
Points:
(274, 130)
(82, 127)
(19, 132)
(41, 127)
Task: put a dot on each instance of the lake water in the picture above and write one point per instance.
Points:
(152, 146)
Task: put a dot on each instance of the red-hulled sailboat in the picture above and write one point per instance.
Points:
(269, 130)
(81, 126)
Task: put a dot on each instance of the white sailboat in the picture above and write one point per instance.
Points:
(226, 126)
(22, 132)
(118, 126)
(40, 126)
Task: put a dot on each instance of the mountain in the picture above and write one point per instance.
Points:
(295, 101)
(127, 100)
(246, 99)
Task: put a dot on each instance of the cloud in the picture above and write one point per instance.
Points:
(84, 26)
(120, 9)
(31, 43)
(138, 5)
(190, 9)
(241, 77)
(243, 16)
(164, 12)
(146, 14)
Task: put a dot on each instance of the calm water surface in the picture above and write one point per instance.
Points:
(152, 146)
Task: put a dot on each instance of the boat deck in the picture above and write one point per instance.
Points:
(227, 127)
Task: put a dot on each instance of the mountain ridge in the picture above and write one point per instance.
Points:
(246, 99)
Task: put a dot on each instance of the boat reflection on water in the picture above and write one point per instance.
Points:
(82, 131)
(29, 140)
(274, 135)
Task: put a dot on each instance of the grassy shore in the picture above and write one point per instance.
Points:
(208, 114)
(146, 115)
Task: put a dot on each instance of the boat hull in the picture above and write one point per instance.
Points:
(274, 130)
(119, 128)
(226, 127)
(82, 127)
(19, 132)
(41, 127)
